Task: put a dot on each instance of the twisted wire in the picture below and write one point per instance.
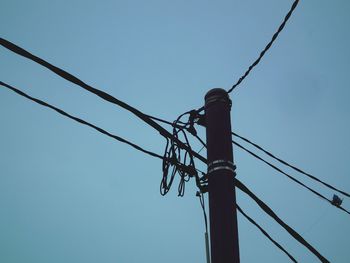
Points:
(267, 47)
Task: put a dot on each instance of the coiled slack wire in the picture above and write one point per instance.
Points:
(174, 154)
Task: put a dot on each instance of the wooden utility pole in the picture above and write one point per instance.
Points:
(221, 173)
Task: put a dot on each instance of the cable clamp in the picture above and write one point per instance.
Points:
(221, 165)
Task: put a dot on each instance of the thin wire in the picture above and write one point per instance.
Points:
(321, 217)
(19, 92)
(290, 177)
(64, 74)
(272, 214)
(201, 149)
(159, 119)
(201, 141)
(291, 166)
(176, 125)
(201, 200)
(265, 233)
(256, 62)
(173, 152)
(206, 235)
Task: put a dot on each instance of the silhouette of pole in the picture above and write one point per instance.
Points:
(221, 172)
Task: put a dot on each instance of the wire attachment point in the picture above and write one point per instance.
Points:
(221, 165)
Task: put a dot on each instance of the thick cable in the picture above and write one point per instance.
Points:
(272, 214)
(267, 47)
(289, 165)
(265, 233)
(64, 74)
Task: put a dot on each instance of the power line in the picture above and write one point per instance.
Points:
(276, 168)
(171, 155)
(266, 162)
(64, 74)
(160, 120)
(238, 184)
(81, 121)
(190, 129)
(267, 47)
(173, 152)
(111, 99)
(272, 214)
(201, 200)
(183, 169)
(291, 166)
(290, 177)
(265, 233)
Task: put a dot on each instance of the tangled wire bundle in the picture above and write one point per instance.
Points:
(176, 160)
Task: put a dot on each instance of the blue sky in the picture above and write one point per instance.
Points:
(69, 194)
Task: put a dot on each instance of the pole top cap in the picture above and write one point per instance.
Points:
(216, 94)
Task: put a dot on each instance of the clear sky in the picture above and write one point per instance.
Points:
(69, 194)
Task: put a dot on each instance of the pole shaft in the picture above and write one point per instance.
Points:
(222, 196)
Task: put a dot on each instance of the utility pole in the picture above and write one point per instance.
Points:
(221, 173)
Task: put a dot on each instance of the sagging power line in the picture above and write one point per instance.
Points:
(79, 120)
